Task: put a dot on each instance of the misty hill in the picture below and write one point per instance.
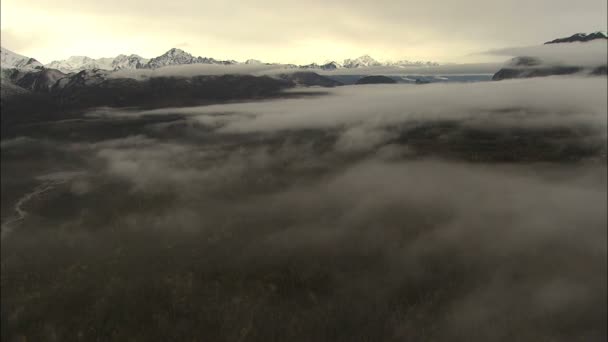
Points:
(531, 66)
(39, 80)
(528, 67)
(309, 79)
(8, 89)
(164, 91)
(49, 92)
(376, 80)
(509, 73)
(580, 37)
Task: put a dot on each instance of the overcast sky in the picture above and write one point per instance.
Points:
(291, 31)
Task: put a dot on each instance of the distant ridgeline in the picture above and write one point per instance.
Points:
(580, 37)
(529, 66)
(176, 56)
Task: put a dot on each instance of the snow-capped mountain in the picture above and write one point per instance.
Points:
(367, 61)
(176, 56)
(179, 57)
(331, 66)
(38, 80)
(580, 37)
(327, 66)
(172, 57)
(361, 62)
(10, 59)
(407, 63)
(128, 62)
(79, 63)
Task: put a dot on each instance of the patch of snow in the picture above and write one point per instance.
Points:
(9, 59)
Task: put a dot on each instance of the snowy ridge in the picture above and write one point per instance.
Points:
(79, 63)
(361, 62)
(9, 59)
(366, 61)
(179, 57)
(407, 63)
(327, 66)
(128, 62)
(580, 37)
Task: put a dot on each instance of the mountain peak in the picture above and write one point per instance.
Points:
(176, 51)
(10, 59)
(173, 56)
(253, 61)
(177, 56)
(367, 61)
(363, 61)
(580, 37)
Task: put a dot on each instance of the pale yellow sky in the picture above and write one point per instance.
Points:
(291, 31)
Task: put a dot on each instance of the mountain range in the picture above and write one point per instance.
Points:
(22, 74)
(79, 63)
(580, 37)
(176, 56)
(28, 86)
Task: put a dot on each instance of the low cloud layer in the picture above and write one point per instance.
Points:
(589, 54)
(468, 212)
(541, 102)
(276, 69)
(204, 69)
